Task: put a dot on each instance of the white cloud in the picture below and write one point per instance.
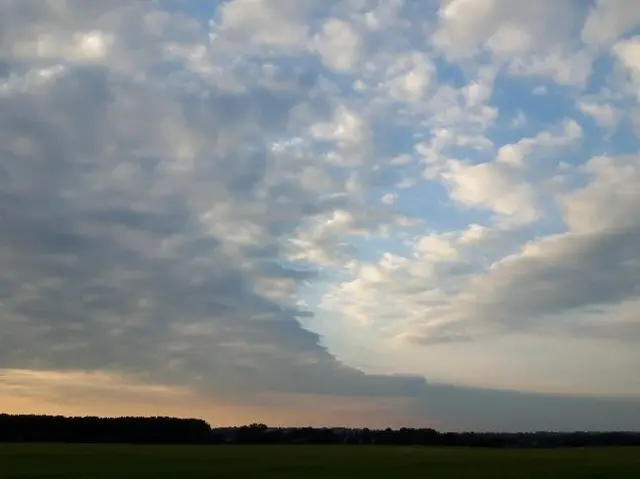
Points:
(93, 45)
(437, 248)
(605, 115)
(476, 93)
(534, 39)
(611, 198)
(409, 77)
(494, 186)
(349, 133)
(544, 144)
(580, 275)
(500, 186)
(339, 45)
(627, 53)
(272, 23)
(504, 27)
(573, 68)
(389, 198)
(539, 90)
(474, 234)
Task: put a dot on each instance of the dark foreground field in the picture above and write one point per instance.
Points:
(186, 462)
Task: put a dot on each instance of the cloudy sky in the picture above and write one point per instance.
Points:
(362, 212)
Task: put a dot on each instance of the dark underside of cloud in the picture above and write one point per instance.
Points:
(496, 410)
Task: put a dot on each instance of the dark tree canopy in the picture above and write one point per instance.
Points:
(167, 430)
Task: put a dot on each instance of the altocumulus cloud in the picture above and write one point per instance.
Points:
(246, 198)
(144, 210)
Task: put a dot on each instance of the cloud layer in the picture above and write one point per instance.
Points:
(279, 198)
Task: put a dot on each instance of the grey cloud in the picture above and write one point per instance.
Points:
(120, 251)
(499, 410)
(42, 32)
(551, 290)
(160, 223)
(571, 272)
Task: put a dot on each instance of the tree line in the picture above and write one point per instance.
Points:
(142, 430)
(167, 430)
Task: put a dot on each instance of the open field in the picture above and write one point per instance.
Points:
(186, 462)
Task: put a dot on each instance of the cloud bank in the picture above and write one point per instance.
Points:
(361, 201)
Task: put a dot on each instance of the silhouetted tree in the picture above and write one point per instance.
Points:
(166, 430)
(152, 430)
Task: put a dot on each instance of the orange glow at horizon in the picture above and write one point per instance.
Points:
(103, 394)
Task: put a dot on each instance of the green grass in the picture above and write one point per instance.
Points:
(186, 462)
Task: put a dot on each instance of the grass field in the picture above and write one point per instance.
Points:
(186, 462)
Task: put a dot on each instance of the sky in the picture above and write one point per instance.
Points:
(341, 212)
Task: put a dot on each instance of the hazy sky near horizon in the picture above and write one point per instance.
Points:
(362, 212)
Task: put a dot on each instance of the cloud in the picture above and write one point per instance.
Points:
(493, 186)
(346, 127)
(257, 22)
(445, 407)
(550, 278)
(488, 410)
(445, 292)
(565, 69)
(91, 393)
(533, 39)
(389, 198)
(292, 200)
(339, 45)
(627, 53)
(605, 115)
(611, 182)
(500, 26)
(409, 77)
(146, 228)
(608, 20)
(501, 185)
